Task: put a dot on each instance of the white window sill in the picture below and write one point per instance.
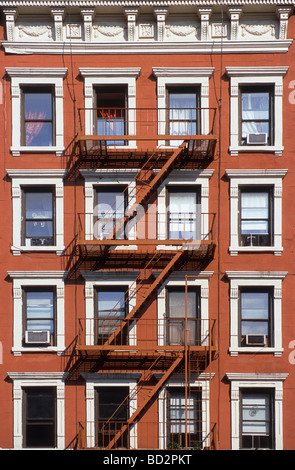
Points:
(16, 151)
(59, 250)
(235, 150)
(255, 249)
(45, 349)
(277, 352)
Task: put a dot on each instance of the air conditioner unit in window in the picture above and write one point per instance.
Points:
(255, 340)
(37, 337)
(257, 139)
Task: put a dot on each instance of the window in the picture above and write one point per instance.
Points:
(176, 327)
(39, 315)
(37, 109)
(256, 115)
(38, 207)
(256, 312)
(256, 96)
(37, 116)
(111, 309)
(256, 217)
(257, 417)
(183, 112)
(256, 210)
(111, 112)
(39, 417)
(112, 406)
(109, 212)
(181, 431)
(184, 213)
(256, 317)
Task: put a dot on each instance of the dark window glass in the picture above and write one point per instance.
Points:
(38, 117)
(184, 214)
(176, 316)
(256, 113)
(40, 417)
(181, 431)
(256, 217)
(111, 309)
(257, 418)
(111, 112)
(38, 214)
(256, 316)
(112, 414)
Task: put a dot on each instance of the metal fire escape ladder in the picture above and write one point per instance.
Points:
(155, 285)
(145, 192)
(140, 408)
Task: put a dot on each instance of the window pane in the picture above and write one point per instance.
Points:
(184, 215)
(255, 105)
(177, 304)
(256, 414)
(38, 133)
(38, 106)
(38, 111)
(254, 127)
(40, 418)
(111, 304)
(40, 311)
(39, 205)
(254, 305)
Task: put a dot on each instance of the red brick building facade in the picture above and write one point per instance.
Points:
(147, 225)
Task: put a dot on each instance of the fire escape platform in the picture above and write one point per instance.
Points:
(97, 149)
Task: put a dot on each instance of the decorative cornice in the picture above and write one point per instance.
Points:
(110, 72)
(256, 71)
(40, 173)
(183, 71)
(245, 173)
(37, 274)
(202, 47)
(37, 375)
(256, 376)
(35, 71)
(138, 3)
(256, 274)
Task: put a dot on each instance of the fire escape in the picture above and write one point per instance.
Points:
(102, 243)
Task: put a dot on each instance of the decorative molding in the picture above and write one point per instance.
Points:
(256, 274)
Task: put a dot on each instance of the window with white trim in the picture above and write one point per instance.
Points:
(39, 410)
(256, 410)
(37, 109)
(256, 210)
(253, 113)
(256, 312)
(98, 81)
(38, 311)
(38, 210)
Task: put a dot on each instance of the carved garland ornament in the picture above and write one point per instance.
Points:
(35, 31)
(258, 29)
(180, 30)
(110, 31)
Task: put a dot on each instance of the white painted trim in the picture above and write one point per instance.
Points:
(182, 76)
(256, 76)
(96, 380)
(38, 279)
(209, 47)
(103, 279)
(240, 279)
(36, 76)
(38, 379)
(22, 178)
(110, 76)
(256, 381)
(178, 380)
(257, 177)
